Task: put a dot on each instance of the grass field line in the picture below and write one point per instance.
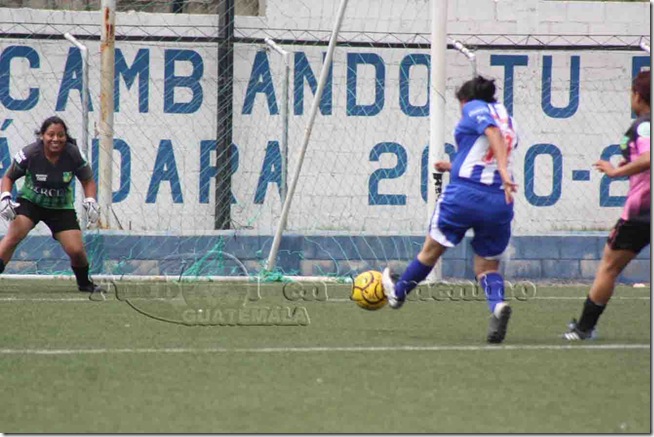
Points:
(313, 349)
(530, 298)
(44, 299)
(336, 300)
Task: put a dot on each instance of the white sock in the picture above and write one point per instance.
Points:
(498, 309)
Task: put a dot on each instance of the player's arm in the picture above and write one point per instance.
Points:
(89, 203)
(13, 173)
(7, 205)
(443, 166)
(639, 165)
(84, 174)
(7, 184)
(90, 188)
(500, 153)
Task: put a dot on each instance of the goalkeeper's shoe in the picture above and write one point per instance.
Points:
(91, 288)
(388, 283)
(576, 334)
(498, 323)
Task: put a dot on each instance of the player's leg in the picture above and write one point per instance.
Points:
(612, 264)
(490, 279)
(492, 236)
(72, 243)
(492, 282)
(446, 230)
(397, 288)
(65, 229)
(18, 230)
(28, 215)
(626, 240)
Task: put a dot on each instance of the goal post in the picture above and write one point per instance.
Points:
(283, 144)
(84, 125)
(437, 101)
(307, 136)
(107, 107)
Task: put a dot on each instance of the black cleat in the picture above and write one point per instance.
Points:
(91, 288)
(497, 325)
(576, 334)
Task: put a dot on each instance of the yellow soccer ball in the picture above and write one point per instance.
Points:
(367, 290)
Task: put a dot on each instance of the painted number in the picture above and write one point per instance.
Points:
(374, 196)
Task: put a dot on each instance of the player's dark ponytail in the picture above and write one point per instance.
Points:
(478, 88)
(641, 85)
(485, 89)
(55, 120)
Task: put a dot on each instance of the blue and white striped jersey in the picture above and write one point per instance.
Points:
(474, 161)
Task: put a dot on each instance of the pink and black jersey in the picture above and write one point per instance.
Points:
(636, 142)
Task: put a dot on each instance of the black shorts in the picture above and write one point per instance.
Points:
(56, 219)
(629, 235)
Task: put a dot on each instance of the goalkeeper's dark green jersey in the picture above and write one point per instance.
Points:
(46, 184)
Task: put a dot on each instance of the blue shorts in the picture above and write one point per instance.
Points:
(484, 210)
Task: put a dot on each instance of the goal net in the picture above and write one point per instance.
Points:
(182, 157)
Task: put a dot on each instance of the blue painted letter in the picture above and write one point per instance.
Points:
(353, 61)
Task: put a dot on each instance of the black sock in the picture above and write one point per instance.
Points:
(2, 266)
(590, 315)
(82, 275)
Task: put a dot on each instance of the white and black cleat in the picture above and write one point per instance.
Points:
(576, 334)
(388, 283)
(498, 323)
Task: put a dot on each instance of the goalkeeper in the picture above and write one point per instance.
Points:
(48, 166)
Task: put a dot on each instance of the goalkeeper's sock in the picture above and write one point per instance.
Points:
(414, 273)
(493, 285)
(589, 315)
(82, 275)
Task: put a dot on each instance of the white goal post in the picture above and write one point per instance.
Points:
(288, 198)
(436, 115)
(437, 101)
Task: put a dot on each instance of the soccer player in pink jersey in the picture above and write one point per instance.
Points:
(632, 231)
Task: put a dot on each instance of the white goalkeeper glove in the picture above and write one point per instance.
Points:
(7, 206)
(92, 211)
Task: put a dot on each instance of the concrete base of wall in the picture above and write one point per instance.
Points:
(546, 258)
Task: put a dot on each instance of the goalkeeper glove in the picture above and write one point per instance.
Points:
(7, 206)
(92, 210)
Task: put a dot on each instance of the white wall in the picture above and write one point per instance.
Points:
(335, 186)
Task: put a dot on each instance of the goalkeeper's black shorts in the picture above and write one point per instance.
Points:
(629, 235)
(56, 219)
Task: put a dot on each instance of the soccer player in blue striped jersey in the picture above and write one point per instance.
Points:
(478, 197)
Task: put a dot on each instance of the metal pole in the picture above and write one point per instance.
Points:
(645, 46)
(106, 124)
(283, 146)
(436, 109)
(307, 135)
(223, 196)
(84, 139)
(468, 54)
